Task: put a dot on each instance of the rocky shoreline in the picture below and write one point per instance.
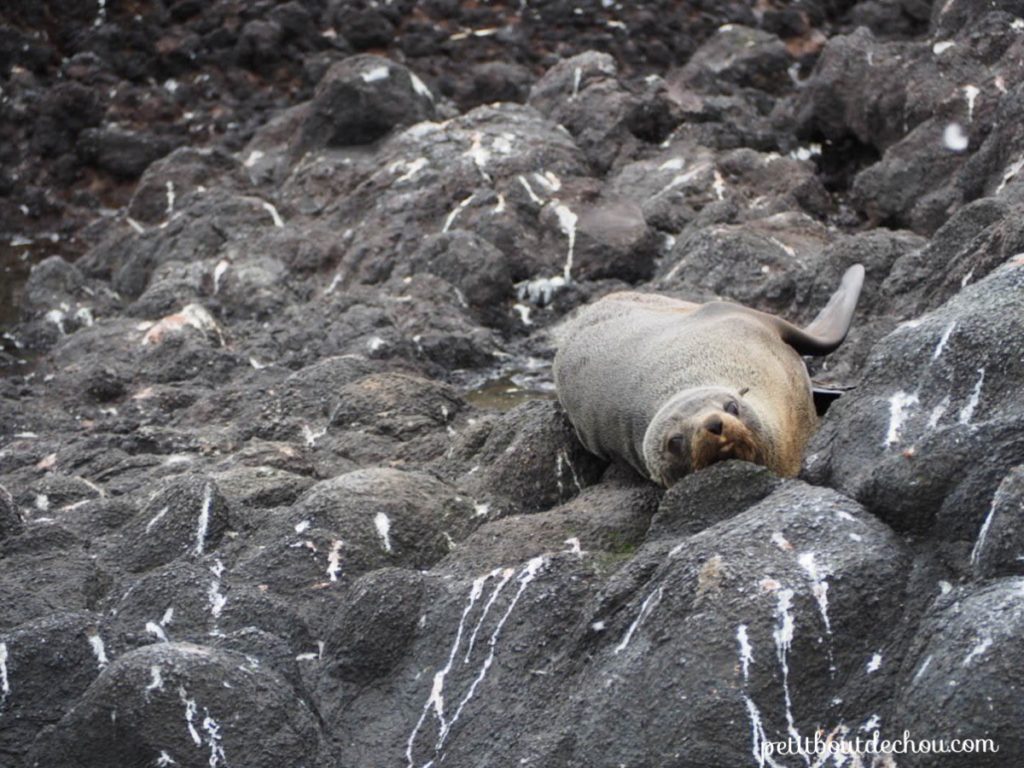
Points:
(282, 481)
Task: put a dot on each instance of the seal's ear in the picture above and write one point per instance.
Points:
(829, 328)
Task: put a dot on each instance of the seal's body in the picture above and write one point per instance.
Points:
(671, 387)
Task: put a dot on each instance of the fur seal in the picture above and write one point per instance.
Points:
(671, 386)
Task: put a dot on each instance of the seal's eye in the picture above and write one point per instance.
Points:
(677, 444)
(732, 408)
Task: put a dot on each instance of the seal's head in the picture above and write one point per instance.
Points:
(698, 427)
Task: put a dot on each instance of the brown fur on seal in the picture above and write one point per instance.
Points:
(670, 386)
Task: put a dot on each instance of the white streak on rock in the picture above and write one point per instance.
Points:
(938, 412)
(411, 169)
(156, 680)
(574, 547)
(500, 205)
(84, 316)
(56, 317)
(481, 510)
(746, 651)
(5, 683)
(42, 502)
(156, 630)
(191, 712)
(526, 575)
(383, 526)
(646, 608)
(541, 290)
(971, 93)
(967, 412)
(758, 736)
(979, 545)
(377, 73)
(529, 190)
(1010, 174)
(548, 180)
(420, 87)
(334, 560)
(135, 225)
(567, 221)
(783, 636)
(217, 600)
(921, 670)
(577, 76)
(204, 519)
(506, 576)
(310, 436)
(942, 46)
(278, 221)
(435, 702)
(170, 197)
(218, 273)
(875, 663)
(456, 211)
(164, 760)
(479, 154)
(719, 185)
(254, 157)
(524, 313)
(212, 729)
(819, 587)
(156, 519)
(302, 527)
(98, 649)
(899, 404)
(943, 339)
(977, 650)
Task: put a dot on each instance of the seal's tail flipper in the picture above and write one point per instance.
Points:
(829, 328)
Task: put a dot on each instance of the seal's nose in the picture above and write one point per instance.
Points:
(714, 425)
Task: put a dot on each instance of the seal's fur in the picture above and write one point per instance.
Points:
(671, 386)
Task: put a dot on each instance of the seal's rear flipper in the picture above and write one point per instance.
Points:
(829, 328)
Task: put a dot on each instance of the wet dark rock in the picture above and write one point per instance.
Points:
(259, 44)
(361, 99)
(197, 707)
(959, 679)
(171, 178)
(975, 241)
(48, 664)
(11, 522)
(738, 56)
(704, 499)
(607, 521)
(999, 545)
(372, 632)
(474, 266)
(608, 120)
(530, 459)
(47, 570)
(187, 517)
(756, 263)
(492, 81)
(936, 394)
(186, 601)
(123, 154)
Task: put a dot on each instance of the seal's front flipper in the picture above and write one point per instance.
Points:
(829, 328)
